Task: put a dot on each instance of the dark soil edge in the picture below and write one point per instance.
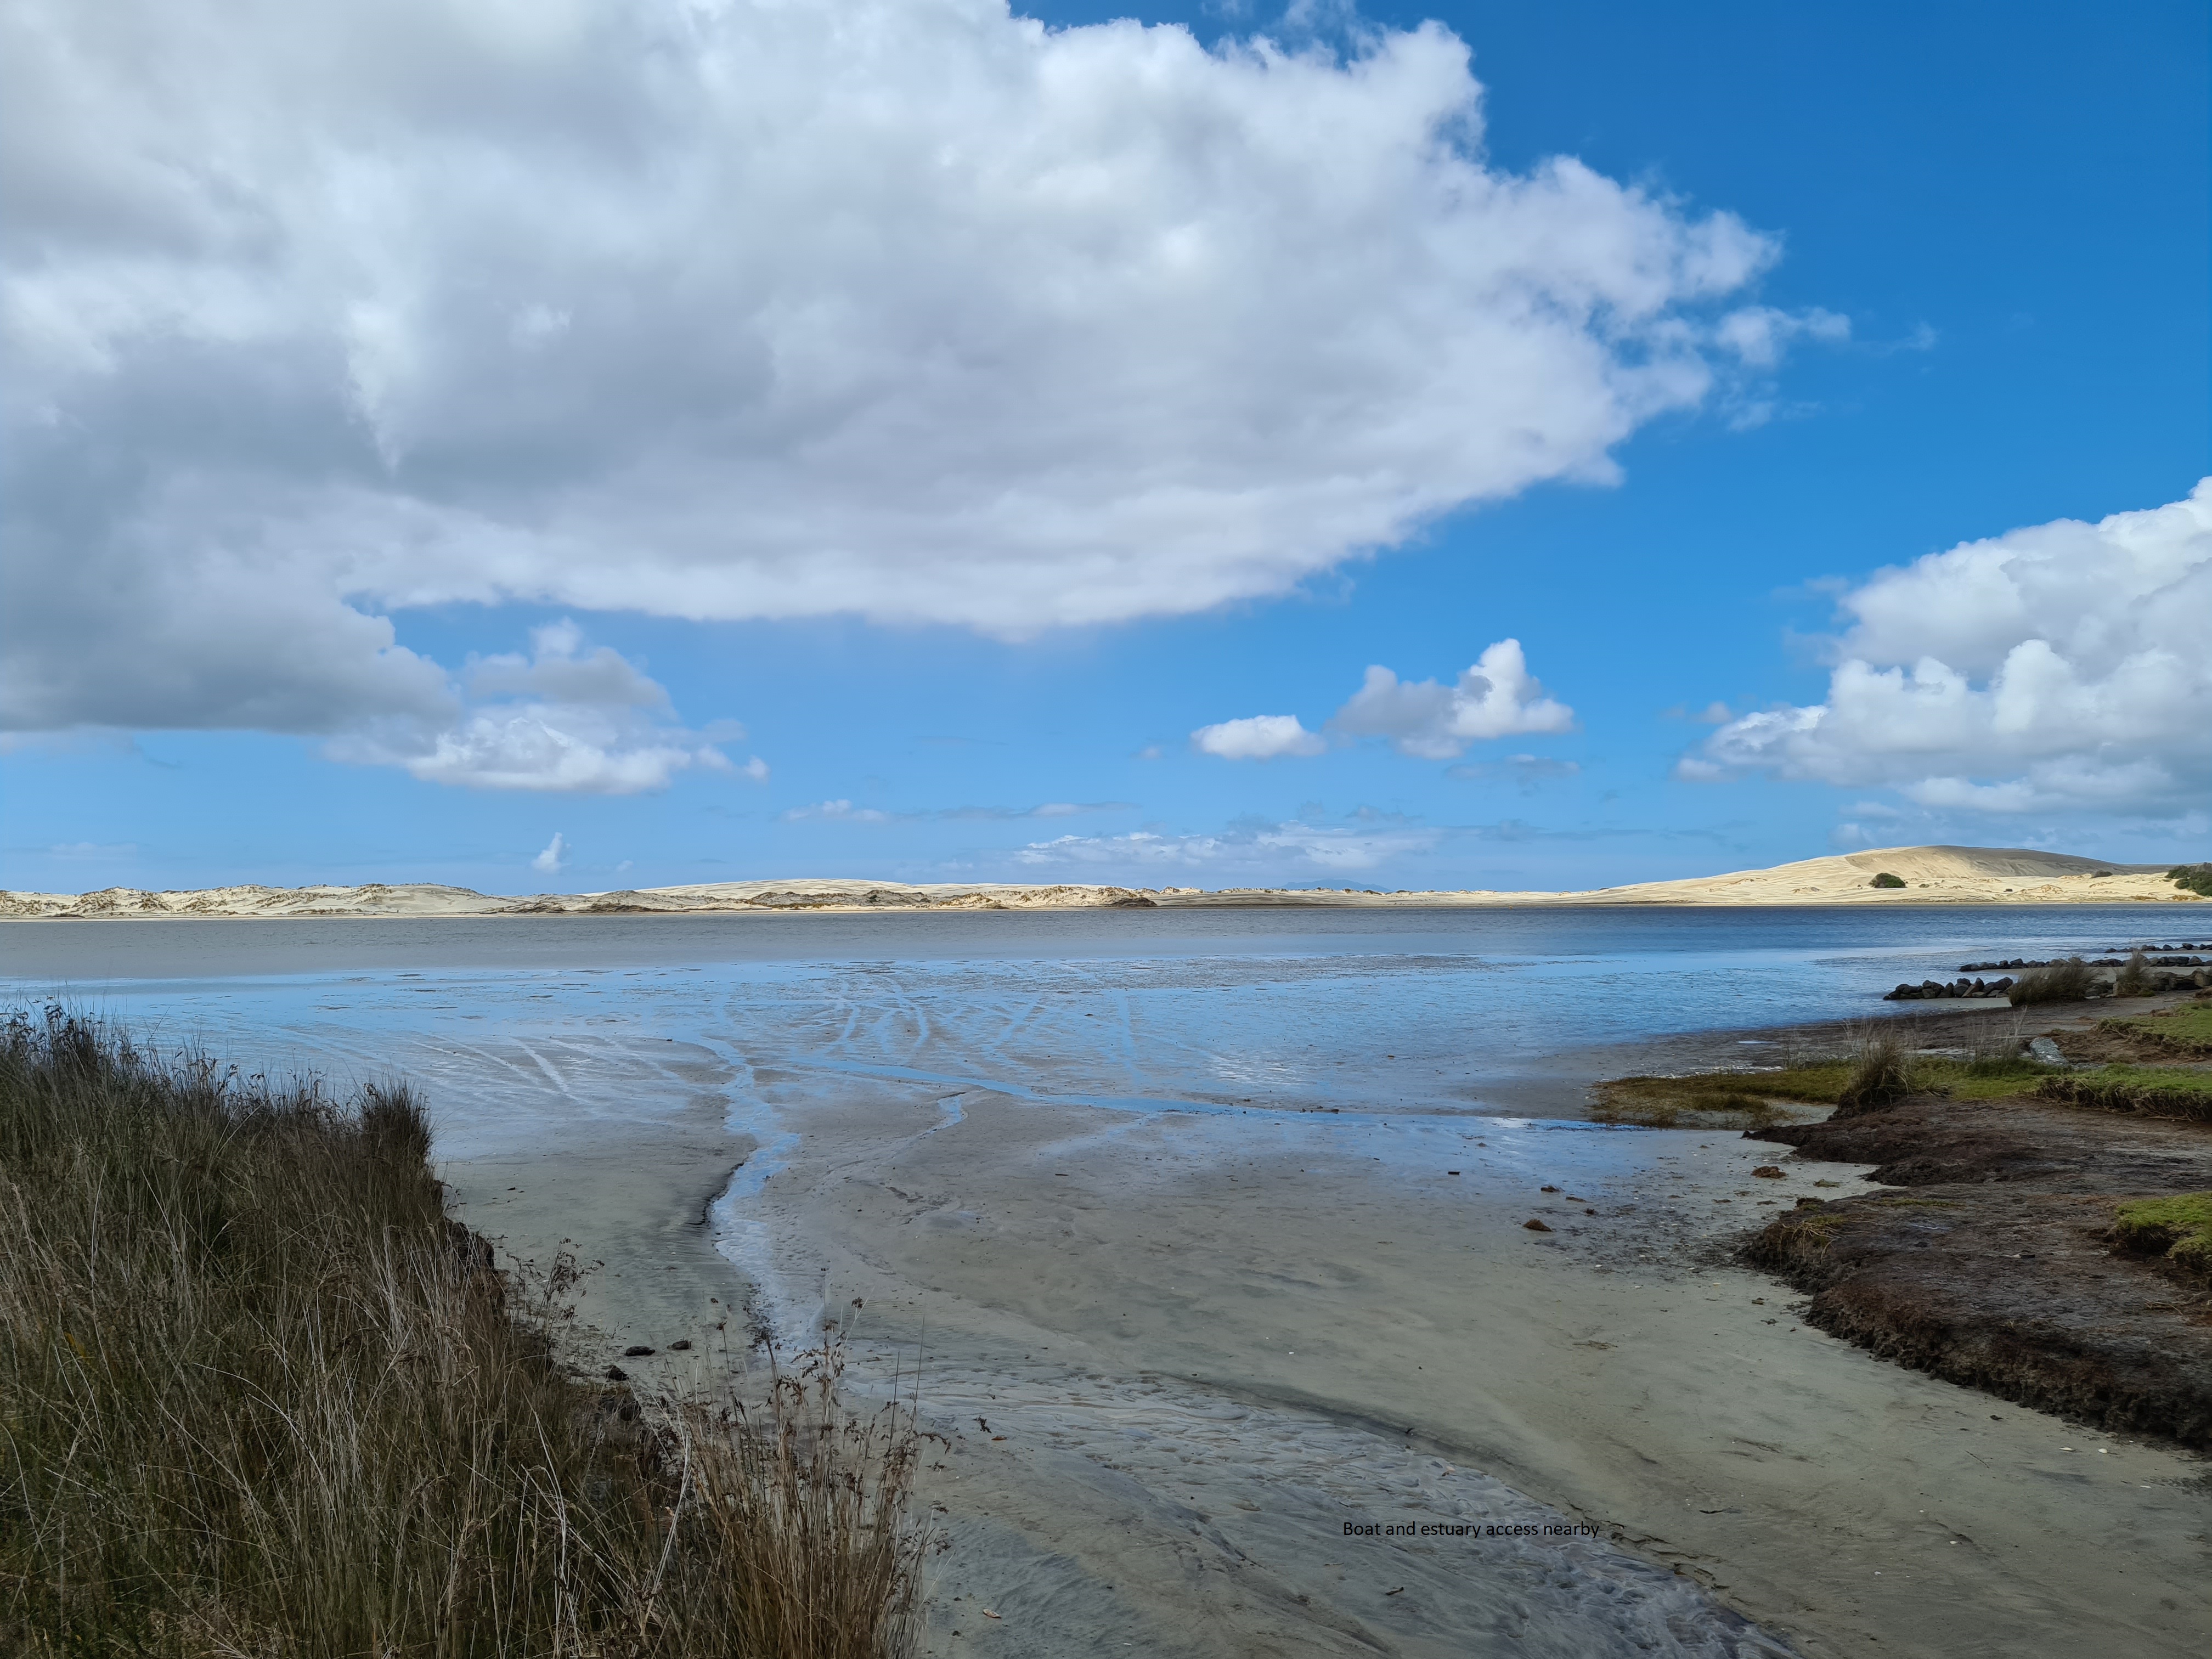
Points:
(2104, 1379)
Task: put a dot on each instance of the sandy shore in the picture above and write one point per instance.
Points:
(1928, 875)
(1173, 1353)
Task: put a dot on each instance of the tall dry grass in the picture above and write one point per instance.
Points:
(2136, 977)
(1883, 1070)
(259, 1396)
(2068, 981)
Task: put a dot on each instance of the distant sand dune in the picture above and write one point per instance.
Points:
(1932, 875)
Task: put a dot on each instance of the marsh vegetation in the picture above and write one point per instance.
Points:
(1877, 1066)
(260, 1395)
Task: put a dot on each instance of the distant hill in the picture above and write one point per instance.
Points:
(1931, 875)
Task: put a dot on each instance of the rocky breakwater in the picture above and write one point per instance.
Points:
(2168, 968)
(1930, 990)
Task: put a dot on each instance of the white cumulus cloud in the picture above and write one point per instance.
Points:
(574, 720)
(554, 858)
(2058, 666)
(912, 308)
(1497, 698)
(1259, 737)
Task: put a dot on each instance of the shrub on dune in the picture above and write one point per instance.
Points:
(2192, 878)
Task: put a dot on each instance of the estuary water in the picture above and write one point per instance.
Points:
(1297, 1010)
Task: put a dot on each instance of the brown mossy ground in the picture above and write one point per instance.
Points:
(2007, 1264)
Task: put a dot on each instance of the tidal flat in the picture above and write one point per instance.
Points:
(1204, 1241)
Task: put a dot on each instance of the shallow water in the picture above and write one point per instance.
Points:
(1297, 1010)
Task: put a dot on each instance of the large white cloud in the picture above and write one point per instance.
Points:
(1496, 697)
(2065, 665)
(910, 308)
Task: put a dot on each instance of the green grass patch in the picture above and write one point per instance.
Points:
(1987, 1080)
(2159, 1090)
(2186, 1031)
(2179, 1228)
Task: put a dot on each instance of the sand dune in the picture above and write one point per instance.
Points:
(1932, 875)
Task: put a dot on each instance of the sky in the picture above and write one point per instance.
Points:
(567, 445)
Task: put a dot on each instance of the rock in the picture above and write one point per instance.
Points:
(1534, 1226)
(682, 1345)
(616, 1374)
(636, 1351)
(1772, 1172)
(1548, 1190)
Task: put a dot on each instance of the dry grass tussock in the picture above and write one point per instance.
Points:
(259, 1396)
(1883, 1070)
(2068, 981)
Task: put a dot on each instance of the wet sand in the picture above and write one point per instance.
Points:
(1210, 1340)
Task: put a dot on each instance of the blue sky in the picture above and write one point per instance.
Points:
(1178, 388)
